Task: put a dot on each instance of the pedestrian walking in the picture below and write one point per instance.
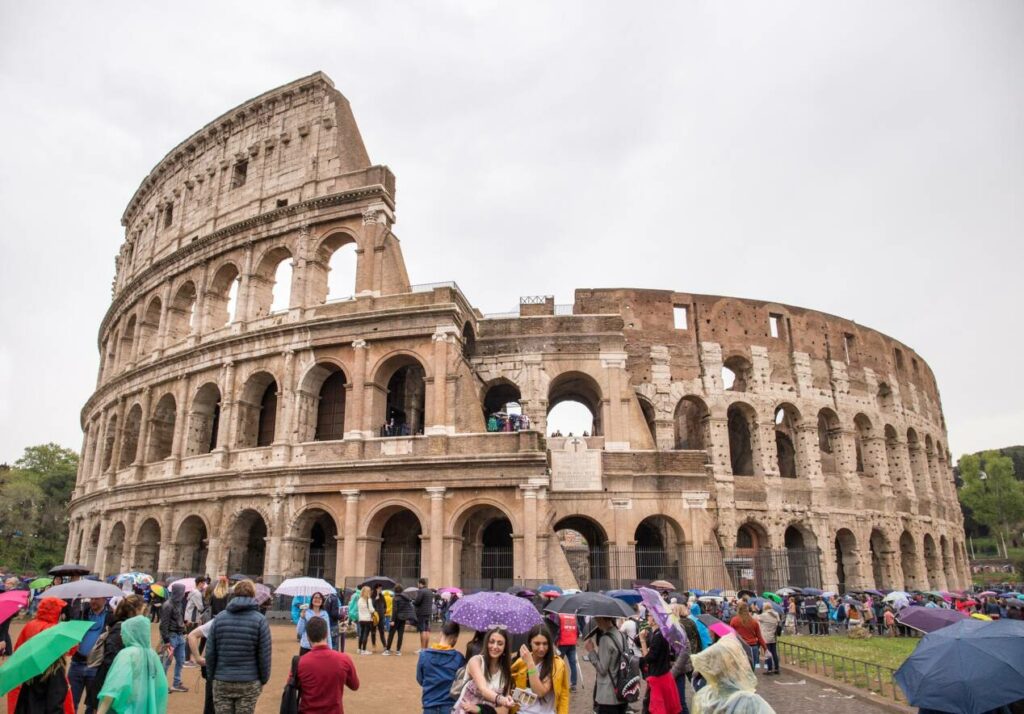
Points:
(402, 611)
(219, 596)
(81, 674)
(769, 621)
(6, 646)
(749, 631)
(323, 673)
(129, 607)
(365, 613)
(172, 634)
(436, 669)
(136, 681)
(238, 653)
(424, 604)
(731, 685)
(315, 609)
(822, 611)
(661, 695)
(568, 638)
(48, 693)
(608, 644)
(380, 613)
(545, 674)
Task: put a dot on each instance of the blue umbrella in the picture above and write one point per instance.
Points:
(812, 591)
(966, 668)
(548, 587)
(630, 597)
(480, 611)
(716, 592)
(695, 592)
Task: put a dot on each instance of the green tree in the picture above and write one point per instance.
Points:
(995, 497)
(34, 495)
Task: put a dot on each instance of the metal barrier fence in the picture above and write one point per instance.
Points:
(873, 677)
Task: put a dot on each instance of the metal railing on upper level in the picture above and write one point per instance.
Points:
(873, 677)
(429, 287)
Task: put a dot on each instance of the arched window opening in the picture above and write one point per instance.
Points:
(846, 560)
(400, 547)
(862, 437)
(110, 349)
(647, 409)
(690, 420)
(406, 402)
(737, 374)
(585, 547)
(267, 428)
(271, 284)
(282, 289)
(94, 543)
(341, 281)
(130, 438)
(468, 342)
(319, 530)
(161, 430)
(741, 453)
(257, 411)
(147, 549)
(828, 437)
(932, 565)
(204, 420)
(879, 553)
(496, 561)
(786, 420)
(108, 443)
(332, 276)
(181, 313)
(126, 352)
(330, 411)
(115, 550)
(886, 399)
(193, 543)
(751, 563)
(503, 409)
(150, 328)
(802, 558)
(221, 298)
(574, 406)
(908, 559)
(658, 550)
(247, 545)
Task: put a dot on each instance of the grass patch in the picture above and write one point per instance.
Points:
(885, 651)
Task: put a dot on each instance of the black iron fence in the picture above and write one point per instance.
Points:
(873, 677)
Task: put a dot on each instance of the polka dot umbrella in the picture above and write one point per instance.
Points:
(480, 611)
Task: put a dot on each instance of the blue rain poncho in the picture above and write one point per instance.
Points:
(136, 681)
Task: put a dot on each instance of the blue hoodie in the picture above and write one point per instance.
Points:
(435, 672)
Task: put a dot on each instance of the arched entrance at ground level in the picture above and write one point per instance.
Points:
(931, 562)
(750, 564)
(115, 549)
(487, 558)
(847, 573)
(247, 544)
(879, 553)
(192, 547)
(398, 553)
(908, 560)
(659, 550)
(147, 550)
(316, 552)
(585, 546)
(801, 557)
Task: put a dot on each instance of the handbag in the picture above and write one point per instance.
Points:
(461, 675)
(292, 692)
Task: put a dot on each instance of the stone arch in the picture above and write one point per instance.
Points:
(580, 388)
(149, 330)
(126, 350)
(130, 437)
(221, 297)
(257, 411)
(801, 555)
(147, 548)
(181, 313)
(909, 562)
(500, 396)
(115, 550)
(204, 420)
(192, 541)
(395, 540)
(110, 436)
(751, 536)
(315, 536)
(649, 413)
(751, 562)
(847, 560)
(880, 549)
(108, 353)
(267, 289)
(486, 559)
(247, 543)
(932, 564)
(584, 543)
(400, 394)
(161, 428)
(863, 436)
(787, 423)
(742, 421)
(691, 420)
(658, 548)
(737, 374)
(321, 401)
(332, 276)
(829, 441)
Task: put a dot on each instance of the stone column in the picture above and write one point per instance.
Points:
(529, 531)
(272, 558)
(128, 552)
(226, 426)
(143, 444)
(436, 570)
(161, 340)
(168, 554)
(242, 306)
(214, 556)
(286, 408)
(180, 420)
(439, 393)
(115, 457)
(355, 417)
(99, 560)
(615, 426)
(351, 528)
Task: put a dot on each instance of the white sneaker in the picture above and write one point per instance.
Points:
(386, 653)
(398, 654)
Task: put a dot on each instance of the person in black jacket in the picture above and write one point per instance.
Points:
(128, 607)
(172, 634)
(380, 606)
(402, 611)
(424, 604)
(238, 652)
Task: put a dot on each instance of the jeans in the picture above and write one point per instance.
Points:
(80, 677)
(338, 639)
(397, 626)
(755, 655)
(177, 643)
(437, 710)
(773, 648)
(365, 628)
(569, 652)
(681, 686)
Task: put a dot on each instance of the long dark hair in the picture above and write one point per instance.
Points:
(546, 666)
(504, 662)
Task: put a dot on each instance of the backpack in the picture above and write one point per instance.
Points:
(625, 674)
(95, 657)
(290, 695)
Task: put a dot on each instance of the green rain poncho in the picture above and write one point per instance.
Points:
(136, 680)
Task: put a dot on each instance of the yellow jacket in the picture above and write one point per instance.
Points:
(559, 680)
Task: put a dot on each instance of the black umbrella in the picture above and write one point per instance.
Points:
(708, 620)
(237, 577)
(69, 569)
(376, 580)
(748, 592)
(591, 605)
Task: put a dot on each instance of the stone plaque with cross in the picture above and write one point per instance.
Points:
(575, 467)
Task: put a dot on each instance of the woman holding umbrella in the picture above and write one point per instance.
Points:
(315, 609)
(662, 696)
(488, 676)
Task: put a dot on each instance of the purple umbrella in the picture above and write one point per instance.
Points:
(480, 611)
(929, 619)
(656, 607)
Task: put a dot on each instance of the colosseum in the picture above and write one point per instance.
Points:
(253, 414)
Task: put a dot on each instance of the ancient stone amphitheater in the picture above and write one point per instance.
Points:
(252, 415)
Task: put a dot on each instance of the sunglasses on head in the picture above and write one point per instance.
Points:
(499, 628)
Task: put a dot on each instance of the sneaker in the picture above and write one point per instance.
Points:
(386, 653)
(398, 654)
(190, 663)
(179, 688)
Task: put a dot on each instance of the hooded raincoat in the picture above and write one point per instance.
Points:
(136, 681)
(731, 683)
(46, 617)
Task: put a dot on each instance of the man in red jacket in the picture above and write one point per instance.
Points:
(324, 674)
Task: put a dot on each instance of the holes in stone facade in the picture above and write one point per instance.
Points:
(828, 439)
(736, 374)
(239, 173)
(786, 420)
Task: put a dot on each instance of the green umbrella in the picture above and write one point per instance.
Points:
(772, 596)
(40, 583)
(36, 654)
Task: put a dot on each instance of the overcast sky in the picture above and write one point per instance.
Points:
(864, 159)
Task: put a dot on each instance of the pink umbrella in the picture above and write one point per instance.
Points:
(454, 591)
(987, 593)
(7, 610)
(721, 629)
(19, 596)
(189, 583)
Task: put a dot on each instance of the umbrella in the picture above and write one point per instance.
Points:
(306, 587)
(69, 569)
(8, 608)
(789, 591)
(708, 620)
(374, 582)
(710, 598)
(828, 593)
(451, 591)
(238, 577)
(743, 592)
(480, 611)
(979, 616)
(772, 596)
(40, 583)
(1016, 604)
(968, 668)
(262, 593)
(715, 591)
(876, 593)
(678, 596)
(158, 590)
(812, 591)
(929, 619)
(549, 587)
(135, 578)
(987, 593)
(84, 589)
(550, 594)
(39, 652)
(632, 597)
(189, 583)
(520, 591)
(662, 585)
(590, 604)
(695, 592)
(715, 625)
(670, 629)
(571, 591)
(896, 595)
(19, 596)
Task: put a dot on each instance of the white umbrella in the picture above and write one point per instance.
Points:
(896, 595)
(83, 589)
(305, 587)
(189, 583)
